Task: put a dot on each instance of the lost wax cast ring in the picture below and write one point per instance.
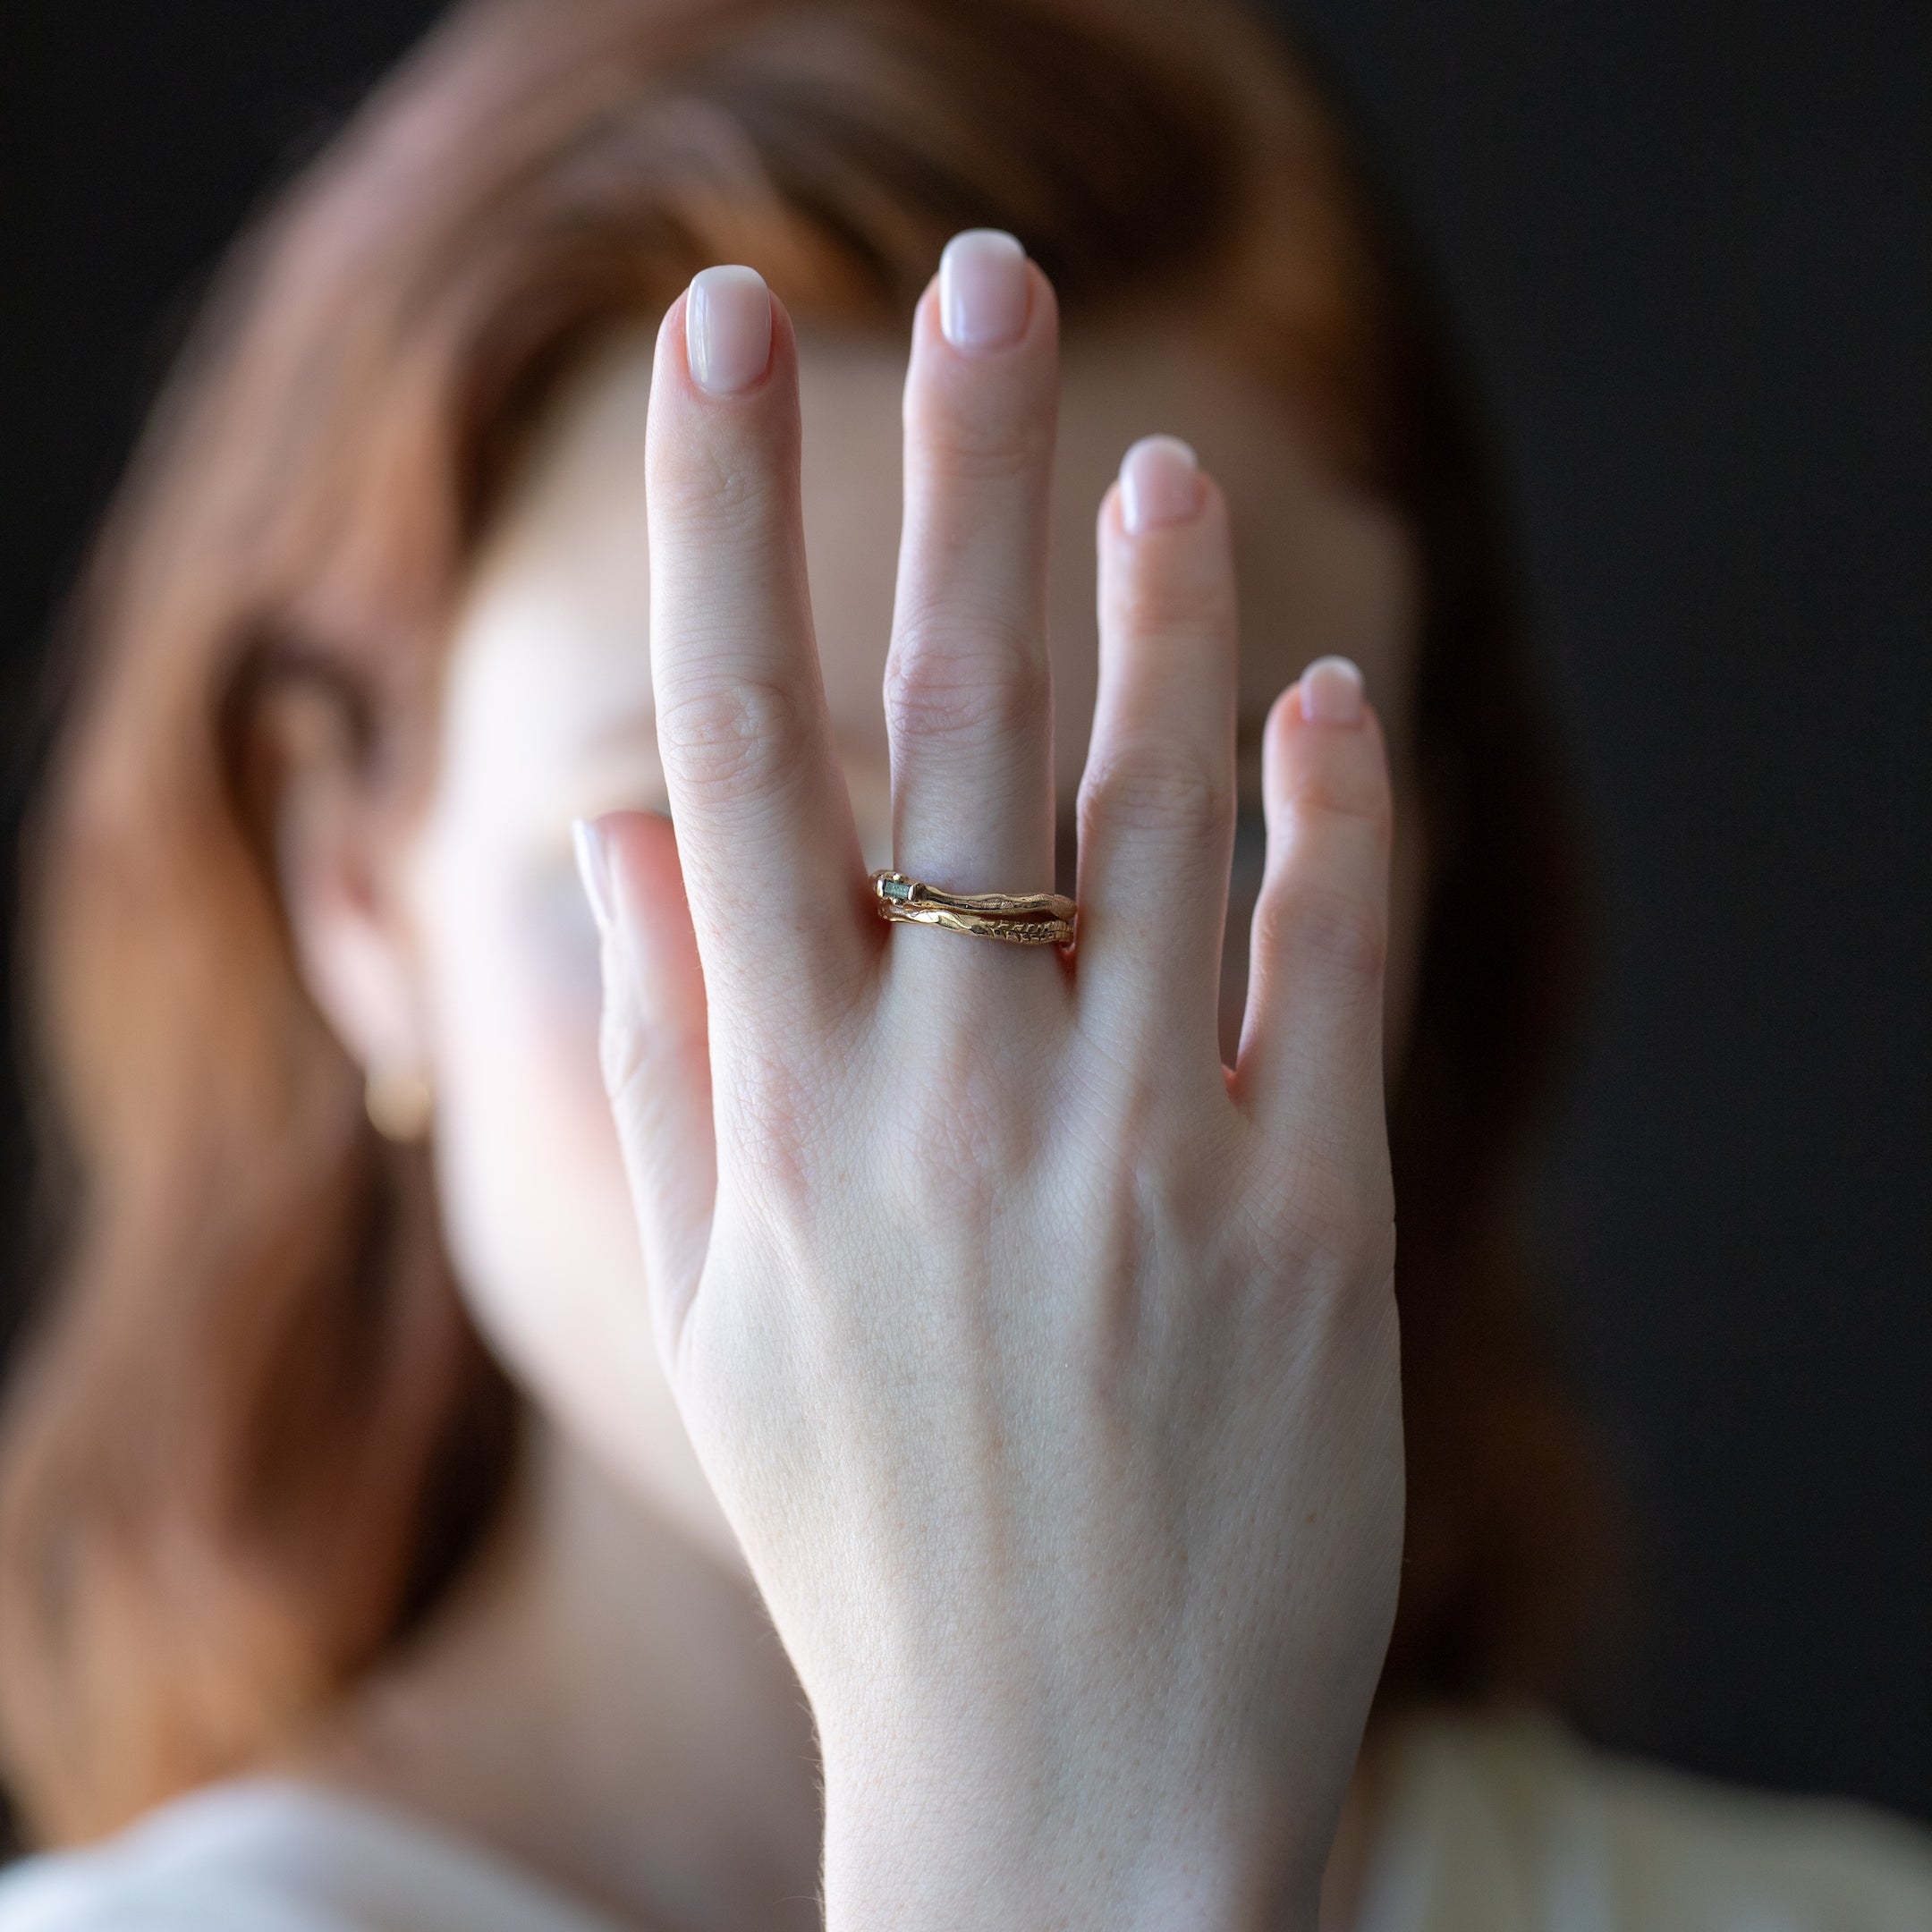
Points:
(1014, 918)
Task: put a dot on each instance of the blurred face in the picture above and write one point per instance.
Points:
(548, 717)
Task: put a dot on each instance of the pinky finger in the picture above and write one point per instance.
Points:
(1311, 1038)
(656, 1052)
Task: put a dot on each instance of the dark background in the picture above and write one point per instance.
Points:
(1687, 245)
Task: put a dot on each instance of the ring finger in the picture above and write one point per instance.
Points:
(968, 688)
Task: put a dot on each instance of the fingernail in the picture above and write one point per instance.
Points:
(593, 867)
(1332, 691)
(983, 290)
(727, 329)
(1160, 483)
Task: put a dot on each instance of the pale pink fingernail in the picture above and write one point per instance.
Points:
(1160, 483)
(593, 867)
(983, 290)
(727, 329)
(1332, 691)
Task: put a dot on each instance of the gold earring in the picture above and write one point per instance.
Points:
(399, 1102)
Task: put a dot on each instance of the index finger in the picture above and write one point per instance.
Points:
(765, 834)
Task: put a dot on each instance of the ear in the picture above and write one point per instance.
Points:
(336, 860)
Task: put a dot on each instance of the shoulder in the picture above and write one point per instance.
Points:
(264, 1855)
(206, 1862)
(1511, 1820)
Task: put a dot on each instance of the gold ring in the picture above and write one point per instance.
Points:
(1015, 919)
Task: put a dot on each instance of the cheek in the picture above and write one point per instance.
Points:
(535, 1205)
(514, 997)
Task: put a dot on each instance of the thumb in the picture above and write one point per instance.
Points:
(655, 1051)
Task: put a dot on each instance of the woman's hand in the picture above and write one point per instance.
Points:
(1046, 1368)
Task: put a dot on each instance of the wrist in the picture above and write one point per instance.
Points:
(941, 1844)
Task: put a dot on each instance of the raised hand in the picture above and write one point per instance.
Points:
(1045, 1367)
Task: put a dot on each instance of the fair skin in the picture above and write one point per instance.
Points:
(606, 1700)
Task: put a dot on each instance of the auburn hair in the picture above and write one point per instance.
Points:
(255, 1436)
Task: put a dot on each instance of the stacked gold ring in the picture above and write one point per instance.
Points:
(1014, 918)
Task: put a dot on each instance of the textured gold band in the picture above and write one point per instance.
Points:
(1014, 918)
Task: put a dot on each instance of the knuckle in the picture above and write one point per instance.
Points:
(961, 1132)
(774, 1127)
(1156, 788)
(1319, 924)
(732, 736)
(1153, 603)
(773, 1163)
(961, 439)
(644, 1065)
(712, 490)
(1319, 794)
(623, 1055)
(1357, 1236)
(1375, 1245)
(948, 1155)
(996, 687)
(1332, 1209)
